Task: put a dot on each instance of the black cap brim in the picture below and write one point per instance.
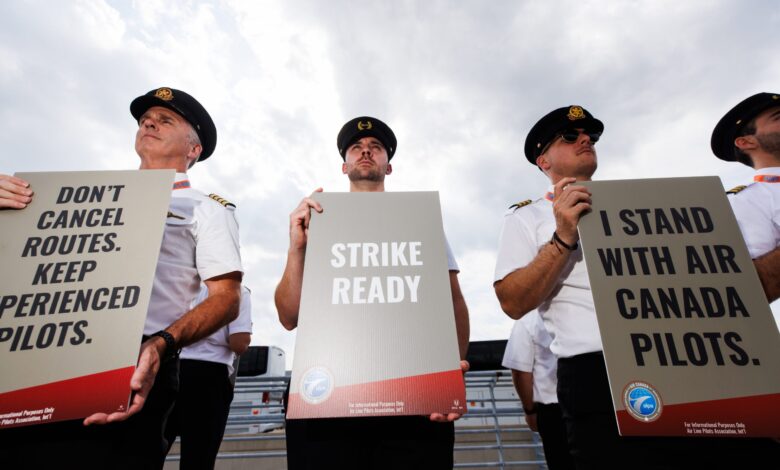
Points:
(732, 123)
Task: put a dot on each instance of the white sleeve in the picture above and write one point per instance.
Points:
(217, 248)
(242, 324)
(517, 246)
(519, 352)
(452, 265)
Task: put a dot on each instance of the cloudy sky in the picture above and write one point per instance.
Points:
(461, 83)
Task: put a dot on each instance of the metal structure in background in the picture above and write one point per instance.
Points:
(495, 409)
(491, 435)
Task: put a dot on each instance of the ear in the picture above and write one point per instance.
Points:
(195, 151)
(193, 155)
(389, 169)
(746, 142)
(542, 162)
(344, 168)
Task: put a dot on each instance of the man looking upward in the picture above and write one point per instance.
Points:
(366, 146)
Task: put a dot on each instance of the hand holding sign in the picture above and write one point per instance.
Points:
(14, 192)
(439, 417)
(569, 204)
(288, 293)
(140, 384)
(299, 221)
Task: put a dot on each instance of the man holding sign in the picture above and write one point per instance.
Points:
(200, 242)
(366, 145)
(540, 266)
(750, 134)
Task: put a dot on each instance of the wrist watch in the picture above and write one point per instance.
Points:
(170, 344)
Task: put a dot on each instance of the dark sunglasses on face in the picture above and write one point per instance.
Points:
(570, 136)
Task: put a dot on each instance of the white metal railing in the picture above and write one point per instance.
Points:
(493, 410)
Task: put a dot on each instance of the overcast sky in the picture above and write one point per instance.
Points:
(460, 83)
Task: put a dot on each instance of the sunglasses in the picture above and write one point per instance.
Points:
(570, 136)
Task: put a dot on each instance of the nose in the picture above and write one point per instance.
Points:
(148, 122)
(585, 138)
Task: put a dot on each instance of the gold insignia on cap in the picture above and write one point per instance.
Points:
(164, 94)
(576, 112)
(739, 121)
(366, 126)
(775, 97)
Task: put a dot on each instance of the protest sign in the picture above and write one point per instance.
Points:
(376, 331)
(77, 271)
(690, 343)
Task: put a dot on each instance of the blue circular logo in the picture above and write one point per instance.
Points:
(642, 401)
(316, 385)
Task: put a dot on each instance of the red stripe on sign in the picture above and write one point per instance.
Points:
(75, 398)
(442, 392)
(758, 415)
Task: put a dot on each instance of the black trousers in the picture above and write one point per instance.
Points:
(549, 420)
(392, 442)
(137, 443)
(200, 413)
(586, 404)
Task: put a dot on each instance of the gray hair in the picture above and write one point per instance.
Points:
(193, 139)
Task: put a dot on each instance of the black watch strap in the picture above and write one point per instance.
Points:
(170, 343)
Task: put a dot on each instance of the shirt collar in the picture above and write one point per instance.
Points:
(764, 172)
(549, 195)
(181, 181)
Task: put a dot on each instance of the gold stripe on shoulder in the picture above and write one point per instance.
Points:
(518, 205)
(222, 200)
(737, 189)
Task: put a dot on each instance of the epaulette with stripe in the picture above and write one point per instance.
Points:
(736, 189)
(222, 200)
(518, 205)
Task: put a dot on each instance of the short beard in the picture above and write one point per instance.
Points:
(770, 143)
(373, 175)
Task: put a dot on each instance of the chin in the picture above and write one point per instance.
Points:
(370, 175)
